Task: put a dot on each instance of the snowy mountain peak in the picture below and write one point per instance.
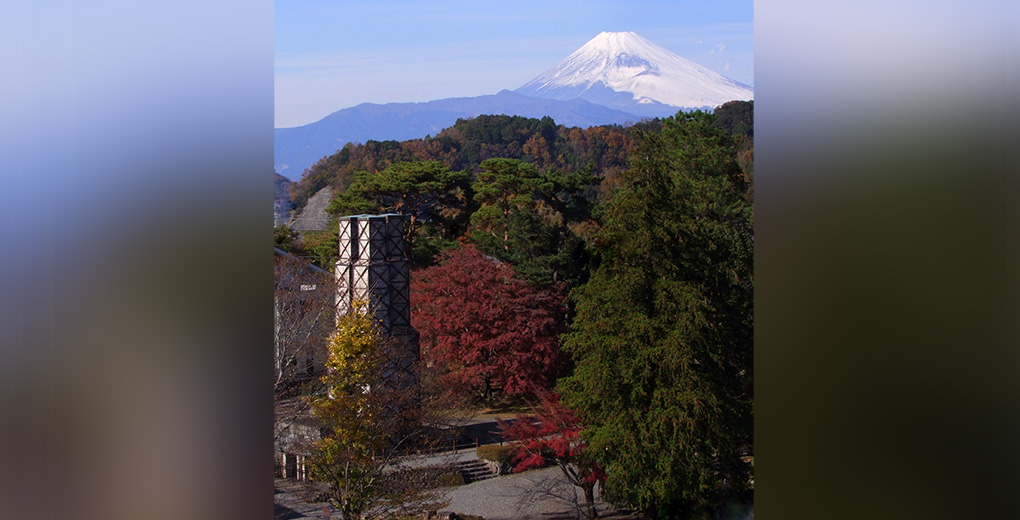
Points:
(624, 70)
(617, 43)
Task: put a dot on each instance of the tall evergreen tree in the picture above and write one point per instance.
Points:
(662, 338)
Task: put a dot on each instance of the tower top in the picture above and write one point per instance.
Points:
(384, 216)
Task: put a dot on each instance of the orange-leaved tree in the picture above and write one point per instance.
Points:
(552, 434)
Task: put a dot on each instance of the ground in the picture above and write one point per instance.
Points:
(531, 495)
(537, 494)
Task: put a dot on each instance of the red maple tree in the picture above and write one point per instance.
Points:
(552, 435)
(484, 328)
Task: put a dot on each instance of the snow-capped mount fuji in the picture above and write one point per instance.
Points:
(624, 71)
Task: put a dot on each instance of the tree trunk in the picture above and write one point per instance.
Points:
(589, 500)
(408, 239)
(506, 223)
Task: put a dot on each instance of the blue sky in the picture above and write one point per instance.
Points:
(334, 55)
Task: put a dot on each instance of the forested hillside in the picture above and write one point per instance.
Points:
(606, 149)
(281, 191)
(281, 198)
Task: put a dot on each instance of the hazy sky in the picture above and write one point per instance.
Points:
(332, 55)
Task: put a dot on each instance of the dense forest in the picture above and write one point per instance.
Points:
(609, 267)
(465, 145)
(597, 153)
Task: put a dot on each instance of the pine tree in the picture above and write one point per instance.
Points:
(431, 196)
(525, 216)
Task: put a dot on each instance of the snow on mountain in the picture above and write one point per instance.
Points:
(625, 71)
(615, 78)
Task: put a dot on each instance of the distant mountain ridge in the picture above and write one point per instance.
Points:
(298, 148)
(615, 78)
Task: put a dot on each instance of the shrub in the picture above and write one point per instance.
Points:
(501, 455)
(450, 478)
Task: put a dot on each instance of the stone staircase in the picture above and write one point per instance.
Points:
(474, 470)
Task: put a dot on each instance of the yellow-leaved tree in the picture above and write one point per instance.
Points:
(373, 424)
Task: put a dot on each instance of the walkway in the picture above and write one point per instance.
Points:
(532, 495)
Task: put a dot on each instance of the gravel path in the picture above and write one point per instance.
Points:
(536, 494)
(291, 502)
(532, 495)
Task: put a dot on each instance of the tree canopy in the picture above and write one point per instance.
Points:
(662, 339)
(429, 193)
(469, 142)
(526, 217)
(372, 412)
(486, 329)
(552, 433)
